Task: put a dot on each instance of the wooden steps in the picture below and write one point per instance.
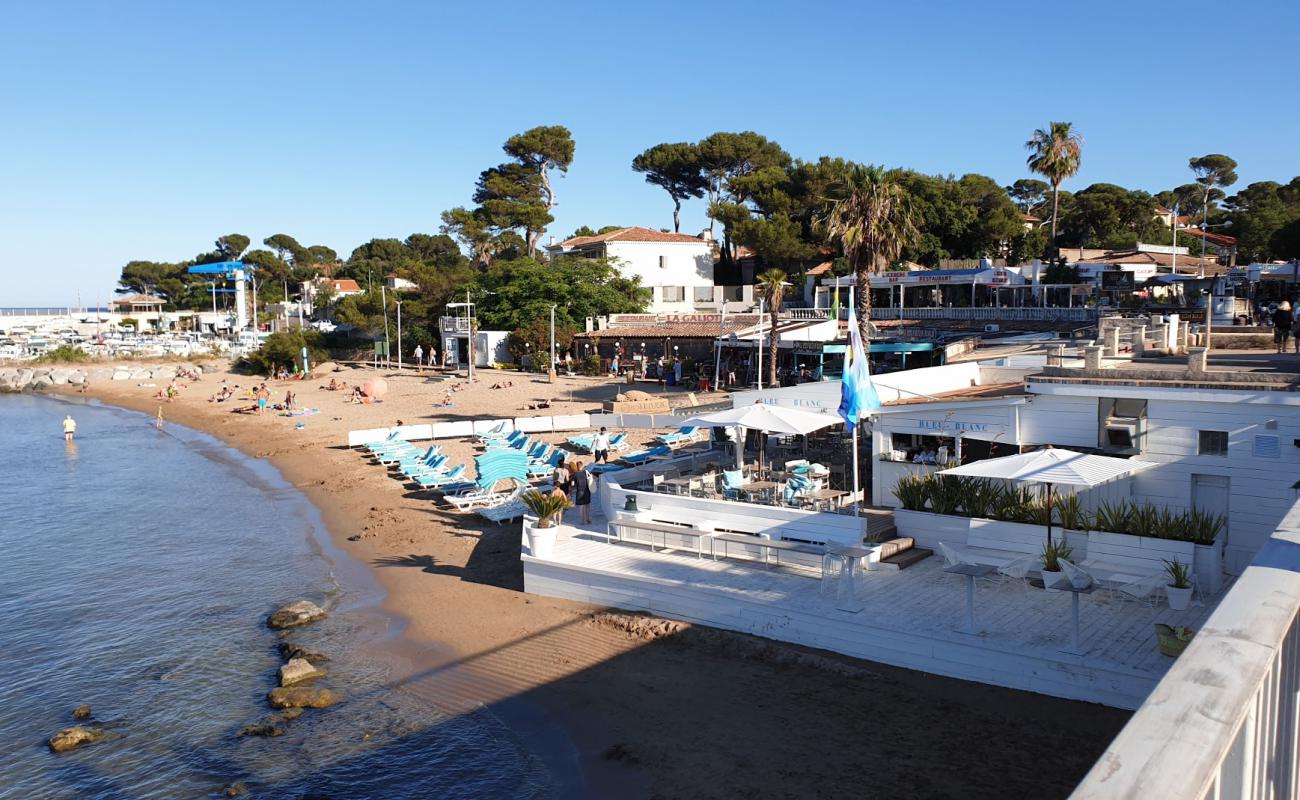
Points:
(906, 558)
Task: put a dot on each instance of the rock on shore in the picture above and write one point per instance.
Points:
(74, 737)
(290, 650)
(30, 379)
(299, 670)
(301, 697)
(302, 612)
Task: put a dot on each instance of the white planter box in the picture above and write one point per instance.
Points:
(1208, 565)
(928, 529)
(540, 541)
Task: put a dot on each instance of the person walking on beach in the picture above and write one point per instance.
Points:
(69, 428)
(419, 358)
(600, 446)
(262, 395)
(582, 494)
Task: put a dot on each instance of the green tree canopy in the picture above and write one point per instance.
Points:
(524, 290)
(675, 168)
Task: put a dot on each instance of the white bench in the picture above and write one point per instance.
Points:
(1113, 561)
(997, 545)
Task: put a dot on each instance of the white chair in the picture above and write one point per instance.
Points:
(955, 556)
(1144, 590)
(1021, 570)
(1079, 578)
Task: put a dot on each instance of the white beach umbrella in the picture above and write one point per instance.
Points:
(762, 417)
(1050, 466)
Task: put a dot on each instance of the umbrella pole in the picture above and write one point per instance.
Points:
(1049, 514)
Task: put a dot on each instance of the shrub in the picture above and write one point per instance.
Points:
(284, 348)
(590, 365)
(945, 493)
(545, 506)
(64, 354)
(913, 491)
(1054, 552)
(1113, 518)
(1180, 575)
(1070, 513)
(981, 496)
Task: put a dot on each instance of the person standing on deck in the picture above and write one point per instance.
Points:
(1282, 321)
(69, 428)
(582, 493)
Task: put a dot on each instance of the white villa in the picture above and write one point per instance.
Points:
(677, 268)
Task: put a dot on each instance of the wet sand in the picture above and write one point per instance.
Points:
(651, 708)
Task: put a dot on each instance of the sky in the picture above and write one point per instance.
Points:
(144, 131)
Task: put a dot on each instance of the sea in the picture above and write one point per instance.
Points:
(139, 565)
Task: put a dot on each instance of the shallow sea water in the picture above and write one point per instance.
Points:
(138, 567)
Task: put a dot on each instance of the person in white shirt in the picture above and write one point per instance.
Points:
(600, 446)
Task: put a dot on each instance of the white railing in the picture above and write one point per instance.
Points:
(1030, 314)
(807, 313)
(1222, 724)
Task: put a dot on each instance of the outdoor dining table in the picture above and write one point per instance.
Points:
(971, 571)
(830, 497)
(677, 485)
(1074, 610)
(758, 488)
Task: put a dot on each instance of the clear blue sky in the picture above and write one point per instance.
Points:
(138, 130)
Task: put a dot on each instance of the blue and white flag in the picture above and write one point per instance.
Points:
(857, 392)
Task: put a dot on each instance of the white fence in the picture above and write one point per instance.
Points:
(1223, 722)
(989, 314)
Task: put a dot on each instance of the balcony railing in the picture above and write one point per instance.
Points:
(1028, 314)
(807, 313)
(455, 325)
(1223, 722)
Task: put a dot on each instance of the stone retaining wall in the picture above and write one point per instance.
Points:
(37, 377)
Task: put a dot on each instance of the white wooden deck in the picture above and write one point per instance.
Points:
(913, 618)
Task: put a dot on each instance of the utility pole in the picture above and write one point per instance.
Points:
(760, 344)
(551, 369)
(399, 335)
(383, 301)
(717, 347)
(469, 314)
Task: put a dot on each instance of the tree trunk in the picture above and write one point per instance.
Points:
(677, 215)
(1056, 194)
(863, 299)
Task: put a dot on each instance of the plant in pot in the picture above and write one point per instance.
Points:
(1053, 553)
(541, 534)
(1179, 589)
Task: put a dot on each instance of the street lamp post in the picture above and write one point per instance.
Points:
(550, 370)
(399, 334)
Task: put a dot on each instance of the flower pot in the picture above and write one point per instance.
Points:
(1179, 599)
(1054, 580)
(540, 541)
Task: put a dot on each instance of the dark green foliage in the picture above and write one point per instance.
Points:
(284, 348)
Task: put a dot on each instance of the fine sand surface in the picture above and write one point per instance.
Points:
(656, 709)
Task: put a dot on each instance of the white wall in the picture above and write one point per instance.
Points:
(686, 264)
(1260, 486)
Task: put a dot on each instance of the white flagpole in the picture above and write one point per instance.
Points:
(857, 424)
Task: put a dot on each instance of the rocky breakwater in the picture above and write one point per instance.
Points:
(37, 378)
(297, 675)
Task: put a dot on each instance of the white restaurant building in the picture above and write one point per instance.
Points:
(675, 267)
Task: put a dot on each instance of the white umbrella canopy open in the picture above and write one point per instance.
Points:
(769, 419)
(1050, 466)
(762, 417)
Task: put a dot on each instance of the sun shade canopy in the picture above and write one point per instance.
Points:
(771, 419)
(1064, 467)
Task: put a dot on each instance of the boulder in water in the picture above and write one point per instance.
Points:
(81, 712)
(299, 670)
(122, 375)
(74, 737)
(290, 650)
(262, 729)
(236, 790)
(302, 612)
(301, 697)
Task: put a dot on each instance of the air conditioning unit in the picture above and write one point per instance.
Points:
(1122, 435)
(992, 328)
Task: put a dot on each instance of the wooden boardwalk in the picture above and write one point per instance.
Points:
(911, 618)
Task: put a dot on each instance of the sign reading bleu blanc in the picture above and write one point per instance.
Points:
(956, 426)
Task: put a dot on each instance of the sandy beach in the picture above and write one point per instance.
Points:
(655, 708)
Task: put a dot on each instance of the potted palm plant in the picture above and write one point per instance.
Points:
(1053, 553)
(1179, 589)
(540, 532)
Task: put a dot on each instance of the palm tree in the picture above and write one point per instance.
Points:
(873, 221)
(1055, 154)
(772, 284)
